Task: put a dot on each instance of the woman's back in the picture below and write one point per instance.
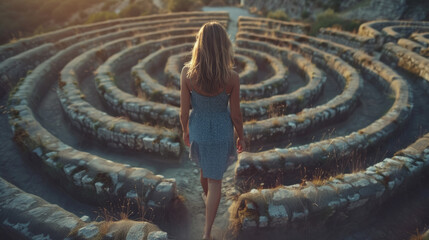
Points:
(210, 120)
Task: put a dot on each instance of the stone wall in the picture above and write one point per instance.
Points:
(26, 216)
(255, 164)
(337, 198)
(25, 54)
(367, 44)
(408, 60)
(93, 179)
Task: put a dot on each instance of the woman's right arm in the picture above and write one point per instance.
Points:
(236, 116)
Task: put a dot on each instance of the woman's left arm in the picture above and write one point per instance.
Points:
(185, 103)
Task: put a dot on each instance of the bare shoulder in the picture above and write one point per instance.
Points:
(185, 70)
(183, 77)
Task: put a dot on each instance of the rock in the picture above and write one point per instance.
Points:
(277, 214)
(157, 235)
(68, 169)
(77, 178)
(89, 231)
(38, 152)
(21, 201)
(62, 219)
(282, 194)
(164, 187)
(356, 204)
(85, 218)
(254, 191)
(196, 171)
(136, 232)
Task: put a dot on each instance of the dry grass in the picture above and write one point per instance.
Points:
(419, 235)
(124, 117)
(252, 121)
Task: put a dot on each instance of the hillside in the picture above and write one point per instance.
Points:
(349, 9)
(23, 18)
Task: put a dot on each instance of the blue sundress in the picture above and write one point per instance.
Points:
(211, 134)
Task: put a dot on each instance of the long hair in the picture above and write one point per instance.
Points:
(212, 58)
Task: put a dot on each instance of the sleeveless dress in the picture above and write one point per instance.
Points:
(211, 134)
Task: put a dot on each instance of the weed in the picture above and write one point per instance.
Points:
(278, 15)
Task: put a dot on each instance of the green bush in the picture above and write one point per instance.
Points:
(101, 16)
(132, 10)
(329, 18)
(278, 15)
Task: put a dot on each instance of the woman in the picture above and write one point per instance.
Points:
(208, 82)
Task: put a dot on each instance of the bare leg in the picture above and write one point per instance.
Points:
(213, 199)
(203, 181)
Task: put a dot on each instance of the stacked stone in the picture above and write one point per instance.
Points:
(291, 125)
(127, 104)
(25, 54)
(289, 102)
(338, 197)
(172, 68)
(296, 27)
(398, 56)
(410, 45)
(358, 59)
(24, 44)
(91, 178)
(261, 166)
(277, 36)
(26, 216)
(153, 89)
(156, 24)
(114, 131)
(349, 39)
(273, 85)
(248, 74)
(394, 33)
(16, 67)
(375, 29)
(421, 38)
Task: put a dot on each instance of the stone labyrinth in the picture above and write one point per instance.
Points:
(306, 102)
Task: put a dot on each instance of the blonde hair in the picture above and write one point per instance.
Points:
(212, 58)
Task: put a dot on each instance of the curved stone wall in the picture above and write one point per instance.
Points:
(117, 84)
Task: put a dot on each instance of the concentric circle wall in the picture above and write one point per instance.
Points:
(306, 102)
